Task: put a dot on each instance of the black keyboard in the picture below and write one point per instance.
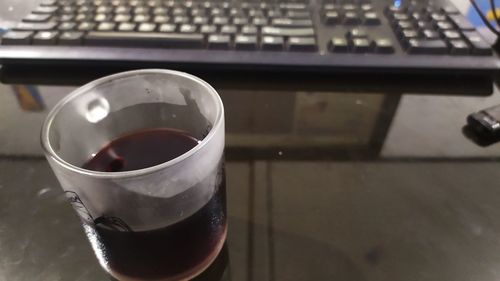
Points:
(370, 36)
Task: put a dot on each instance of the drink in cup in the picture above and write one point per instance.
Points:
(139, 156)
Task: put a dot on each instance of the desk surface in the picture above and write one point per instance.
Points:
(321, 186)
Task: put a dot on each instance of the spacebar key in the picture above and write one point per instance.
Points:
(288, 32)
(150, 39)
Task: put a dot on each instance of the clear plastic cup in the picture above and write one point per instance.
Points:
(163, 222)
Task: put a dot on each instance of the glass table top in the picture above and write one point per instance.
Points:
(321, 186)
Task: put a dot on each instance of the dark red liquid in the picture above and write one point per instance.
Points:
(141, 150)
(163, 253)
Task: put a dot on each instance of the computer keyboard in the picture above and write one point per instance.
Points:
(332, 35)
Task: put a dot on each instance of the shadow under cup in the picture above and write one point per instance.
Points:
(164, 222)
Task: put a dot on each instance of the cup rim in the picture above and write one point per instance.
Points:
(49, 152)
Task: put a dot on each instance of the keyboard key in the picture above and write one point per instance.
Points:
(198, 12)
(31, 26)
(438, 17)
(418, 46)
(366, 7)
(83, 17)
(48, 3)
(304, 44)
(249, 30)
(256, 13)
(104, 9)
(66, 17)
(424, 25)
(102, 17)
(400, 17)
(357, 33)
(122, 18)
(444, 25)
(45, 10)
(287, 32)
(361, 45)
(331, 17)
(146, 27)
(189, 4)
(228, 29)
(216, 41)
(208, 29)
(338, 45)
(86, 26)
(409, 33)
(349, 7)
(37, 18)
(86, 9)
(285, 22)
(71, 38)
(245, 42)
(417, 16)
(402, 25)
(207, 5)
(200, 20)
(187, 28)
(161, 19)
(141, 18)
(462, 22)
(106, 26)
(160, 11)
(236, 12)
(293, 6)
(429, 9)
(45, 38)
(126, 26)
(328, 7)
(151, 39)
(167, 27)
(371, 18)
(17, 38)
(141, 10)
(179, 12)
(259, 21)
(451, 34)
(240, 21)
(66, 26)
(169, 3)
(479, 46)
(351, 18)
(220, 20)
(459, 47)
(181, 19)
(122, 9)
(272, 43)
(430, 34)
(154, 3)
(295, 14)
(134, 3)
(383, 46)
(276, 13)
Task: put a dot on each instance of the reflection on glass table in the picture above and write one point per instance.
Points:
(321, 186)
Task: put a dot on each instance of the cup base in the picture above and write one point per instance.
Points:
(188, 275)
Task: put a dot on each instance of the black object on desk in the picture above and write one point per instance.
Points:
(369, 37)
(483, 127)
